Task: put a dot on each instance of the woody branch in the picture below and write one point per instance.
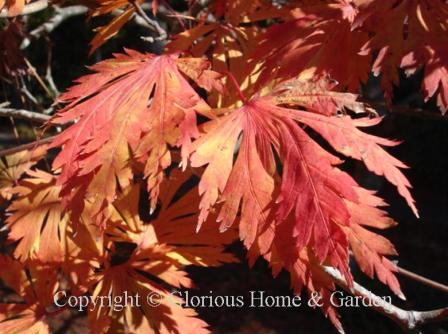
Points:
(409, 320)
(6, 111)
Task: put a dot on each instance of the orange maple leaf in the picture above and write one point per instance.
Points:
(304, 45)
(408, 34)
(135, 106)
(14, 7)
(229, 41)
(15, 165)
(129, 277)
(104, 7)
(37, 220)
(311, 198)
(174, 224)
(35, 285)
(162, 248)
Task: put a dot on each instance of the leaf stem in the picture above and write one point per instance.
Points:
(237, 87)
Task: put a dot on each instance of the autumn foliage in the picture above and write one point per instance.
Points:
(236, 131)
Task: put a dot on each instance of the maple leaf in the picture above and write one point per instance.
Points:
(369, 249)
(106, 32)
(103, 7)
(37, 220)
(90, 255)
(175, 224)
(123, 11)
(13, 166)
(163, 247)
(14, 7)
(228, 41)
(135, 106)
(35, 285)
(115, 280)
(304, 45)
(343, 134)
(305, 271)
(408, 34)
(251, 180)
(12, 61)
(311, 190)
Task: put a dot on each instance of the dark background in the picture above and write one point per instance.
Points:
(421, 243)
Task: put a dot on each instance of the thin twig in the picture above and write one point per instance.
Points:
(418, 278)
(14, 129)
(5, 111)
(49, 71)
(408, 111)
(60, 15)
(409, 320)
(152, 23)
(423, 280)
(64, 13)
(21, 88)
(25, 147)
(33, 72)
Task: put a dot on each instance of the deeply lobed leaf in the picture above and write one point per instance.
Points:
(134, 108)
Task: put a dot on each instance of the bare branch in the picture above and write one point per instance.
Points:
(5, 111)
(409, 320)
(25, 147)
(49, 71)
(418, 278)
(64, 13)
(423, 280)
(153, 24)
(61, 14)
(31, 8)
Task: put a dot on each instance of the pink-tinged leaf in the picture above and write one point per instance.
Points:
(135, 106)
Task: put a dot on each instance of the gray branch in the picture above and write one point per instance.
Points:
(63, 13)
(5, 111)
(409, 320)
(25, 147)
(60, 15)
(153, 24)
